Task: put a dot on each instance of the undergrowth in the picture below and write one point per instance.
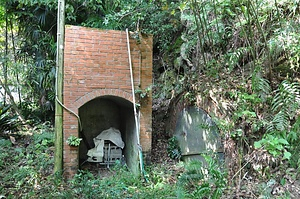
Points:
(26, 167)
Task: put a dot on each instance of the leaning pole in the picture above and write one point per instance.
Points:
(58, 156)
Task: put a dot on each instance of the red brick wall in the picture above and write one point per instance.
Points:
(176, 105)
(96, 64)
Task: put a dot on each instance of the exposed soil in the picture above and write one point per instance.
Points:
(159, 136)
(98, 170)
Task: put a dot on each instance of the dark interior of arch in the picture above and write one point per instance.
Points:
(102, 113)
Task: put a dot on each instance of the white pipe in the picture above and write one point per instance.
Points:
(133, 100)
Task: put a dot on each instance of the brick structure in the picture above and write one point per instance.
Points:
(97, 87)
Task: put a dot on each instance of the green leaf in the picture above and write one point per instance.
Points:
(249, 113)
(278, 147)
(287, 155)
(283, 141)
(282, 181)
(257, 145)
(274, 153)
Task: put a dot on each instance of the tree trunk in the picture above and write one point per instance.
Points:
(5, 60)
(15, 60)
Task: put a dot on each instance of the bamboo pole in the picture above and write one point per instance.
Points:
(58, 157)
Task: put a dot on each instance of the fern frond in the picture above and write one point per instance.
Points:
(287, 97)
(285, 104)
(260, 85)
(235, 56)
(270, 128)
(281, 120)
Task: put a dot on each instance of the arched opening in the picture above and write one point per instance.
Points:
(106, 112)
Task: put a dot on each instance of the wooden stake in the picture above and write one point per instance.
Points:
(58, 157)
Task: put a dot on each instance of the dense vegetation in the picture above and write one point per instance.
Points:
(243, 54)
(27, 164)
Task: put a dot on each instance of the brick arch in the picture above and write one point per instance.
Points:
(96, 65)
(102, 92)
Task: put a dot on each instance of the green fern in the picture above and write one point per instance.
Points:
(235, 56)
(202, 180)
(280, 122)
(285, 104)
(260, 85)
(287, 97)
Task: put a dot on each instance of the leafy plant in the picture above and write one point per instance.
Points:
(24, 166)
(285, 104)
(274, 145)
(44, 137)
(202, 180)
(73, 140)
(4, 146)
(143, 93)
(236, 134)
(173, 149)
(280, 136)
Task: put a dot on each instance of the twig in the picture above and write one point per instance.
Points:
(242, 168)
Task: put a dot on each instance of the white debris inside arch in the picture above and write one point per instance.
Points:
(108, 147)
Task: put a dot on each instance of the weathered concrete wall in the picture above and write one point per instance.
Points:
(211, 102)
(197, 134)
(96, 65)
